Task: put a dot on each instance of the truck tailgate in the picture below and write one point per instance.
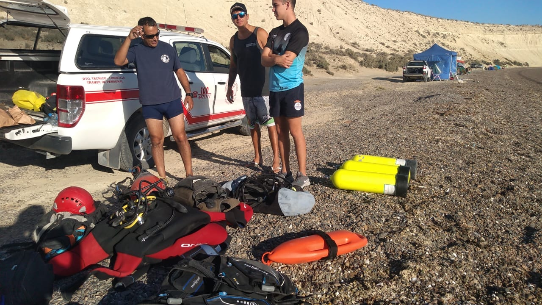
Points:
(23, 132)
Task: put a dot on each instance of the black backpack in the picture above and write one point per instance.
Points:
(226, 280)
(203, 193)
(25, 278)
(261, 191)
(58, 232)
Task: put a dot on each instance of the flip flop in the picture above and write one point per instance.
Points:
(276, 170)
(252, 164)
(273, 170)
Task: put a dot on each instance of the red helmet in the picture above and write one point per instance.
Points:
(143, 180)
(74, 200)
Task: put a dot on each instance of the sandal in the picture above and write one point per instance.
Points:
(253, 164)
(276, 170)
(273, 170)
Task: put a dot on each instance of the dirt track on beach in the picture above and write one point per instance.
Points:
(468, 231)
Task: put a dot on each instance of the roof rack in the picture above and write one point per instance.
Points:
(180, 28)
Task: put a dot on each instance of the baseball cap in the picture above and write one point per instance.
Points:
(238, 6)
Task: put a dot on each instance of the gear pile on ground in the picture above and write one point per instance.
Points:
(468, 231)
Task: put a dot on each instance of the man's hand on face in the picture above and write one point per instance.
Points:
(136, 32)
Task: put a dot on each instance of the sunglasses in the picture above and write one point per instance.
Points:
(152, 36)
(240, 14)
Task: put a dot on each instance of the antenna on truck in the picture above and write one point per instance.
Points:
(180, 28)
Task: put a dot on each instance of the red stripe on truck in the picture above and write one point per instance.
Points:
(111, 96)
(97, 97)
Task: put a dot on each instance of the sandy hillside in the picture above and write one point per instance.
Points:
(350, 23)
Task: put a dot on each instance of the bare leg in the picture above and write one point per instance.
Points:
(256, 135)
(299, 141)
(157, 141)
(179, 134)
(283, 131)
(273, 138)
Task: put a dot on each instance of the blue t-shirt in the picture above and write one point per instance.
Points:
(155, 72)
(293, 38)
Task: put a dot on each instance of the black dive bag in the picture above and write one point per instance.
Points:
(25, 278)
(226, 280)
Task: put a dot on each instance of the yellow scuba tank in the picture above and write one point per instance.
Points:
(413, 164)
(376, 168)
(387, 184)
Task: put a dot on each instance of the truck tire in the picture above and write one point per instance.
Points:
(243, 128)
(425, 79)
(405, 79)
(136, 145)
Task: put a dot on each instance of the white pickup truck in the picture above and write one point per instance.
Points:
(417, 69)
(97, 102)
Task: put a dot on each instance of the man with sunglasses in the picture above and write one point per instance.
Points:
(246, 47)
(284, 53)
(156, 64)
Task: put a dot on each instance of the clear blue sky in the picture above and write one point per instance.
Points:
(514, 12)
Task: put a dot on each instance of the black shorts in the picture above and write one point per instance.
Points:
(289, 103)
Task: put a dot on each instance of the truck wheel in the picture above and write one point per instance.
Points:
(405, 79)
(243, 128)
(136, 145)
(425, 79)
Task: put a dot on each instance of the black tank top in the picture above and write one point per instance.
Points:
(254, 77)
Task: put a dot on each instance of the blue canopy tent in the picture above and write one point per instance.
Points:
(442, 61)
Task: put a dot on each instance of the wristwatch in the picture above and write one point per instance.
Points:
(189, 94)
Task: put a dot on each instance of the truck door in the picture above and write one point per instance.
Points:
(202, 83)
(220, 60)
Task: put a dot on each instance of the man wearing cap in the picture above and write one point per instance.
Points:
(157, 65)
(246, 46)
(285, 54)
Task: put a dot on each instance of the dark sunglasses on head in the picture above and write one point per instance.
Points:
(152, 36)
(240, 14)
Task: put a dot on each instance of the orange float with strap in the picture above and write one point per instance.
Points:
(314, 247)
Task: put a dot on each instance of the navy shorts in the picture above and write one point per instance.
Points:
(167, 110)
(289, 103)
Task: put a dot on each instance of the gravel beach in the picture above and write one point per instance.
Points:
(468, 231)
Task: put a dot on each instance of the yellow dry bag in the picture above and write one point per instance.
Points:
(28, 100)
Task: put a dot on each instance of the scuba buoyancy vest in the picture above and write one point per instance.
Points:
(165, 230)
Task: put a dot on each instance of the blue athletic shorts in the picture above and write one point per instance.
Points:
(257, 110)
(167, 110)
(289, 103)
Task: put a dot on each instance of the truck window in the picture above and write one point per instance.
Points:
(220, 59)
(24, 38)
(98, 52)
(190, 56)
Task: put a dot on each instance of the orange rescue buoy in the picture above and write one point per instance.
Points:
(314, 247)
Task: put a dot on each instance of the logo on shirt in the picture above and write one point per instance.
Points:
(287, 36)
(252, 44)
(165, 58)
